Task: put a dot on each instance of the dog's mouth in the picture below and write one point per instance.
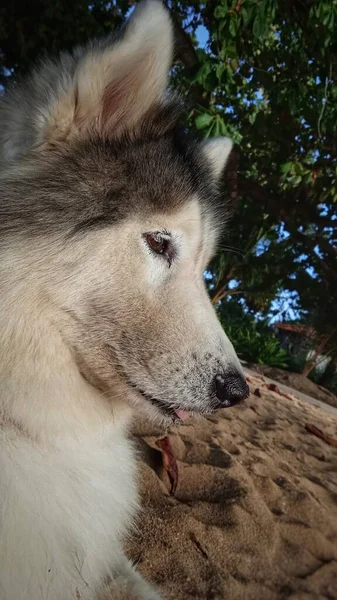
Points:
(175, 414)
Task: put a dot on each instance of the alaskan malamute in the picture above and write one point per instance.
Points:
(108, 218)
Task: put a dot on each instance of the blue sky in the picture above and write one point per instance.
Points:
(202, 36)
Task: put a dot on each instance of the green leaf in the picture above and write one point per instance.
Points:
(257, 27)
(209, 131)
(245, 15)
(298, 169)
(229, 49)
(203, 121)
(233, 25)
(286, 167)
(326, 18)
(223, 128)
(204, 70)
(220, 70)
(201, 54)
(216, 131)
(234, 64)
(220, 12)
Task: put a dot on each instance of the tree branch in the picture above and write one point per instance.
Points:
(273, 205)
(184, 49)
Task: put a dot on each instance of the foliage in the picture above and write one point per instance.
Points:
(267, 77)
(253, 340)
(30, 30)
(257, 347)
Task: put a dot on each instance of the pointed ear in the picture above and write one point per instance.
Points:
(217, 151)
(105, 87)
(118, 85)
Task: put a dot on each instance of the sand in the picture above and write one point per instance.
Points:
(298, 382)
(254, 515)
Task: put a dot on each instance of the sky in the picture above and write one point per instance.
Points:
(202, 36)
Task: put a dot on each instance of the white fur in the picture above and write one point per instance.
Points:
(67, 468)
(217, 151)
(62, 513)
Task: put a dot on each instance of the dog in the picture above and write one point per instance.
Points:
(109, 215)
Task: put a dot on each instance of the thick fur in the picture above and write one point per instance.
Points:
(93, 323)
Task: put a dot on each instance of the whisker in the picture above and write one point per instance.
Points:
(230, 249)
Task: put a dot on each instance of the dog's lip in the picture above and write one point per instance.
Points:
(168, 411)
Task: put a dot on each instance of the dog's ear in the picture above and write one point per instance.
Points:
(107, 86)
(217, 151)
(114, 87)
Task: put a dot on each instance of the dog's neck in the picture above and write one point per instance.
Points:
(41, 389)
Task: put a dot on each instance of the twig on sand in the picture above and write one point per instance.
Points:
(274, 388)
(169, 462)
(319, 433)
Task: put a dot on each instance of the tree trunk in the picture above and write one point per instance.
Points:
(220, 290)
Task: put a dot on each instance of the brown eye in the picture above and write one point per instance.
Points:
(157, 242)
(160, 244)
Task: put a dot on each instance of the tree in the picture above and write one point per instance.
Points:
(266, 75)
(30, 30)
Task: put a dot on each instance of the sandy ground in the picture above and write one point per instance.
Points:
(329, 404)
(297, 382)
(254, 515)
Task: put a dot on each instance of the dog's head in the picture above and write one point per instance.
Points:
(117, 215)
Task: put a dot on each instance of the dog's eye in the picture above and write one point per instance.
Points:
(160, 244)
(157, 242)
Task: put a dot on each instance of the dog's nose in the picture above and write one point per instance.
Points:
(230, 389)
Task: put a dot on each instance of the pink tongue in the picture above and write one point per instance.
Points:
(182, 414)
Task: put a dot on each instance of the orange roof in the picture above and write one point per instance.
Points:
(296, 328)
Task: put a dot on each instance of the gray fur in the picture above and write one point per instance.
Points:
(99, 181)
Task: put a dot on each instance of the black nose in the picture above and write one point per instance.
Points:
(230, 389)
